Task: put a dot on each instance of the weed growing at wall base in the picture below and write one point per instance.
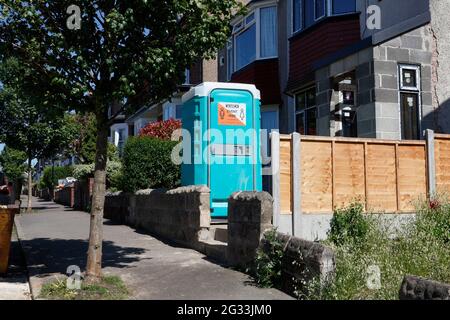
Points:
(421, 247)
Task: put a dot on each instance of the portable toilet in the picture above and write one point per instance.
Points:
(221, 140)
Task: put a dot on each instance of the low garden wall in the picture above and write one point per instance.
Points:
(65, 196)
(417, 288)
(181, 215)
(249, 230)
(83, 194)
(77, 196)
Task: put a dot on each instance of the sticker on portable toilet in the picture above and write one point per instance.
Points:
(231, 113)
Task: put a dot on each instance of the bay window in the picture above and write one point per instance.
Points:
(254, 37)
(305, 13)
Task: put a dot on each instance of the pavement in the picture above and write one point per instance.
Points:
(55, 237)
(14, 286)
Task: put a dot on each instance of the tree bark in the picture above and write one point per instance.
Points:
(30, 184)
(94, 259)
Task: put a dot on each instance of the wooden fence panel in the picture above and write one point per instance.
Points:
(442, 158)
(387, 175)
(349, 177)
(381, 177)
(316, 175)
(412, 175)
(285, 175)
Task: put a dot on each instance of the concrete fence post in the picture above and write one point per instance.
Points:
(275, 166)
(296, 185)
(431, 163)
(249, 217)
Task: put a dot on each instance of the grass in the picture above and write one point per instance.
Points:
(420, 247)
(109, 288)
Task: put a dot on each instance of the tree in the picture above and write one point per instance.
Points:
(83, 146)
(28, 124)
(13, 165)
(125, 53)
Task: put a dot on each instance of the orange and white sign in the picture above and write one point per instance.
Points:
(231, 114)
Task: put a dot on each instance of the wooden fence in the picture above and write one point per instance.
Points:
(314, 175)
(442, 166)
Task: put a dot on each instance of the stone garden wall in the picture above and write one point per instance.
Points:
(249, 221)
(417, 288)
(181, 215)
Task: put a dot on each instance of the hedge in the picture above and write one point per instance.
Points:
(147, 164)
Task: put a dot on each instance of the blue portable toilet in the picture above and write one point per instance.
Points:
(221, 140)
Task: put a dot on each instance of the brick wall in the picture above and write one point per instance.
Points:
(65, 196)
(83, 194)
(264, 75)
(318, 42)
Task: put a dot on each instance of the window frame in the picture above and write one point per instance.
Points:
(244, 25)
(230, 58)
(331, 9)
(301, 16)
(416, 69)
(328, 12)
(404, 89)
(306, 108)
(325, 11)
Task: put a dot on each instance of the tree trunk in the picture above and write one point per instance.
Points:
(30, 183)
(94, 259)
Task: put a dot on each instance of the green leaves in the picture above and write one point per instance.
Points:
(131, 51)
(12, 162)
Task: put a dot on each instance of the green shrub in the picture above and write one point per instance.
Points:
(266, 268)
(113, 173)
(51, 176)
(147, 164)
(348, 225)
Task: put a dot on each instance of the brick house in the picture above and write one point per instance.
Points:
(323, 71)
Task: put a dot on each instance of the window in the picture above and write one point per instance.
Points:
(409, 77)
(172, 111)
(305, 13)
(343, 6)
(255, 37)
(268, 32)
(409, 105)
(250, 18)
(297, 15)
(178, 114)
(121, 140)
(246, 47)
(187, 76)
(319, 9)
(306, 112)
(410, 101)
(229, 59)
